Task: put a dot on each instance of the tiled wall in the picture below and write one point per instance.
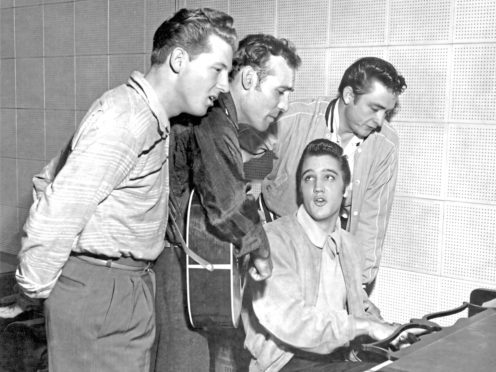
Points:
(58, 55)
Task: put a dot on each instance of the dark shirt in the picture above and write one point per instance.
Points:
(206, 156)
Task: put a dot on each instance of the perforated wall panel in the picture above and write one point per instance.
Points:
(222, 5)
(452, 293)
(8, 140)
(357, 22)
(470, 243)
(59, 83)
(402, 295)
(474, 82)
(471, 163)
(91, 27)
(413, 238)
(129, 36)
(303, 22)
(8, 182)
(253, 16)
(58, 26)
(156, 12)
(419, 21)
(341, 58)
(425, 71)
(9, 238)
(60, 126)
(121, 66)
(420, 170)
(475, 19)
(91, 79)
(310, 77)
(31, 134)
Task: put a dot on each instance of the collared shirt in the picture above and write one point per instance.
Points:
(351, 147)
(110, 197)
(287, 310)
(218, 176)
(374, 174)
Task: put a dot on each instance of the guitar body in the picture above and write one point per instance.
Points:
(214, 297)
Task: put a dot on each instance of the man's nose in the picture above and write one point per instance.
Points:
(380, 118)
(284, 102)
(223, 82)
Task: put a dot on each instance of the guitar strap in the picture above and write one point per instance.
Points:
(178, 236)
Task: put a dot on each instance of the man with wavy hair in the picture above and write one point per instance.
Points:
(262, 77)
(100, 212)
(357, 120)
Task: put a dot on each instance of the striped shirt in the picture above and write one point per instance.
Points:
(110, 197)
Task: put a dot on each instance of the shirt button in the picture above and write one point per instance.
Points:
(357, 182)
(328, 136)
(359, 150)
(355, 213)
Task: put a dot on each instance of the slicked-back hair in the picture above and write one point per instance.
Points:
(190, 29)
(362, 73)
(255, 50)
(321, 147)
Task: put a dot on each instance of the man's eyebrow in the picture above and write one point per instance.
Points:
(286, 88)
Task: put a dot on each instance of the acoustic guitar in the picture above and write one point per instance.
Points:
(214, 296)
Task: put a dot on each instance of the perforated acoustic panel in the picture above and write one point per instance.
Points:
(425, 70)
(420, 158)
(339, 60)
(357, 22)
(419, 21)
(413, 238)
(475, 19)
(253, 16)
(221, 5)
(121, 66)
(470, 242)
(472, 163)
(303, 22)
(91, 79)
(310, 77)
(402, 295)
(9, 239)
(474, 82)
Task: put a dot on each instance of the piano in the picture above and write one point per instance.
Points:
(469, 345)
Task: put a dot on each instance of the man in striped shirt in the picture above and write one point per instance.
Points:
(100, 210)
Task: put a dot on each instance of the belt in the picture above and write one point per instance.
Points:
(122, 263)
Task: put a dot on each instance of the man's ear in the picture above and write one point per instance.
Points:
(249, 77)
(178, 59)
(348, 95)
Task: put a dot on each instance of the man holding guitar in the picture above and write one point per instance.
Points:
(206, 155)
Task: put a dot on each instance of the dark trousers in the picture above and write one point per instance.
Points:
(100, 319)
(177, 347)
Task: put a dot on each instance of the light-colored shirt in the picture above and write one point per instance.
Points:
(375, 170)
(302, 305)
(110, 197)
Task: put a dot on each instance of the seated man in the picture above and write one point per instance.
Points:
(304, 315)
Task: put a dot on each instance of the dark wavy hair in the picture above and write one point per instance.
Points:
(255, 50)
(191, 29)
(363, 72)
(319, 147)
